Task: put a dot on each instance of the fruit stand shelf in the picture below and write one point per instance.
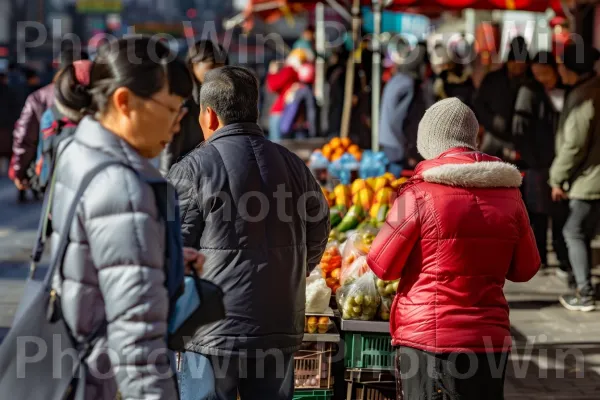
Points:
(332, 336)
(327, 313)
(365, 326)
(322, 337)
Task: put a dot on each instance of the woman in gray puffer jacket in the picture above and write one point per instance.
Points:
(114, 268)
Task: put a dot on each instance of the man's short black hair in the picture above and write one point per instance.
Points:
(207, 51)
(232, 92)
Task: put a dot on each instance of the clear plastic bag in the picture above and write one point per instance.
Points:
(359, 299)
(357, 269)
(387, 288)
(385, 308)
(352, 252)
(318, 293)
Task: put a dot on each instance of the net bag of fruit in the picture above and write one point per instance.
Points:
(358, 298)
(318, 293)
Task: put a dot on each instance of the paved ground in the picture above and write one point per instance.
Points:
(556, 354)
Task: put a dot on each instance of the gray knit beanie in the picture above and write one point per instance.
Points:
(448, 123)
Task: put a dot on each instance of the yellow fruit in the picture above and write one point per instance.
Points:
(374, 210)
(371, 182)
(357, 185)
(342, 195)
(327, 195)
(363, 198)
(381, 183)
(384, 196)
(390, 176)
(396, 184)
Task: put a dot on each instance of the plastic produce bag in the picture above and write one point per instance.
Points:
(354, 261)
(359, 299)
(387, 288)
(317, 292)
(385, 308)
(356, 270)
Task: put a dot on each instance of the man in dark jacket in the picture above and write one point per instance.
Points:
(258, 215)
(202, 57)
(575, 172)
(494, 102)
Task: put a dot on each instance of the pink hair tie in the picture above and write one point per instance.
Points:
(83, 70)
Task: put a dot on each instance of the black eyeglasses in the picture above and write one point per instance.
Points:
(178, 112)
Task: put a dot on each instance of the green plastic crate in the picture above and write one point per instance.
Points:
(369, 351)
(313, 394)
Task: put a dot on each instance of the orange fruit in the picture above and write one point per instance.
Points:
(327, 151)
(357, 155)
(335, 143)
(353, 148)
(339, 152)
(346, 142)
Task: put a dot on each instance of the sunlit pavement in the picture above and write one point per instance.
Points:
(556, 353)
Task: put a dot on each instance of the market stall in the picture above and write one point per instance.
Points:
(270, 10)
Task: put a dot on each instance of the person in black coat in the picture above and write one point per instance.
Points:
(495, 100)
(535, 122)
(258, 215)
(202, 57)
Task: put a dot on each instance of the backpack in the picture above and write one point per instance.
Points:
(50, 138)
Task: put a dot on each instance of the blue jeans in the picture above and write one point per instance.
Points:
(196, 377)
(222, 378)
(274, 129)
(579, 231)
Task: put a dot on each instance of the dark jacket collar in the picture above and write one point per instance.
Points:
(242, 128)
(92, 134)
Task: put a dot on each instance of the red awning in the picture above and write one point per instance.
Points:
(271, 10)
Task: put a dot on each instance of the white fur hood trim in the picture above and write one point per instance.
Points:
(485, 174)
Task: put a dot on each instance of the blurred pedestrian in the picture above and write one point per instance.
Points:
(280, 80)
(60, 121)
(455, 81)
(456, 232)
(8, 116)
(336, 78)
(494, 111)
(535, 122)
(259, 244)
(202, 57)
(575, 172)
(403, 103)
(27, 129)
(112, 282)
(307, 42)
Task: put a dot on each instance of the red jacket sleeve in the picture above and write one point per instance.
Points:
(526, 258)
(25, 139)
(396, 239)
(279, 80)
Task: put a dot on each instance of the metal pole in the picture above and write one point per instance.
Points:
(376, 75)
(349, 89)
(320, 48)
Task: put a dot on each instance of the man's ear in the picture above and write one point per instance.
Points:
(213, 122)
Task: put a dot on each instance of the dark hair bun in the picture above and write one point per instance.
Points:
(70, 93)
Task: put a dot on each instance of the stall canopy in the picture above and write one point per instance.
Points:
(270, 10)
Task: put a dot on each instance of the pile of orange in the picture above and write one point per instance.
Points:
(338, 146)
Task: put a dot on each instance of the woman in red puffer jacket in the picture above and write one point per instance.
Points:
(457, 230)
